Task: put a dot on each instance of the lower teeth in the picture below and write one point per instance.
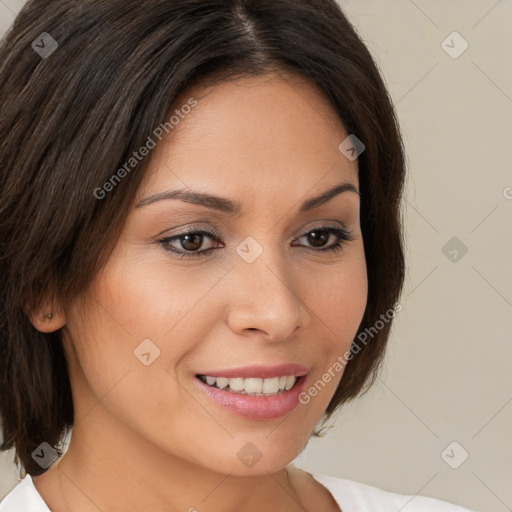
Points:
(250, 394)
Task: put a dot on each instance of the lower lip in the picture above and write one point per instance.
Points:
(256, 407)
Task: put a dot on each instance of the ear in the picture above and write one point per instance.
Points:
(49, 318)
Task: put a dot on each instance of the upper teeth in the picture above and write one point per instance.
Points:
(252, 386)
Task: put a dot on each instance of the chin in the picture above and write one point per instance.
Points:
(256, 453)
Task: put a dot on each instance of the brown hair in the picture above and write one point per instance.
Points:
(71, 118)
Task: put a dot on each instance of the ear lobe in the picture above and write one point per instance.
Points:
(48, 319)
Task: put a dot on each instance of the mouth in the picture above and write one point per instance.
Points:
(257, 392)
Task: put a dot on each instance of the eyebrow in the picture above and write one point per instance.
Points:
(233, 208)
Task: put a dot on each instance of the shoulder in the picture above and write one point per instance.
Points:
(354, 496)
(23, 498)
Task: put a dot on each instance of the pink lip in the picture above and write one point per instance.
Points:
(259, 371)
(256, 407)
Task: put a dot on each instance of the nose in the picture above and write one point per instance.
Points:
(264, 298)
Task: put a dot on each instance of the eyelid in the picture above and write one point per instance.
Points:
(214, 231)
(192, 228)
(208, 225)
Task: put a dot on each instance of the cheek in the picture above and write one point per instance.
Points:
(337, 300)
(149, 294)
(131, 301)
(337, 297)
(106, 369)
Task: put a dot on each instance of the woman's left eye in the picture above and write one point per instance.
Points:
(192, 241)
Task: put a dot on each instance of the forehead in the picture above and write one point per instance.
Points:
(251, 136)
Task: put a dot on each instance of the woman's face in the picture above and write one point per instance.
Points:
(265, 301)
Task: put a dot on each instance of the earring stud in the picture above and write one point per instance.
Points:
(49, 316)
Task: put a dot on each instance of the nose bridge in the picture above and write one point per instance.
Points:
(266, 299)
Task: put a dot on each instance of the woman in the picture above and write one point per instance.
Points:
(200, 212)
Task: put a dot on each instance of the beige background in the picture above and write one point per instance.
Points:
(448, 372)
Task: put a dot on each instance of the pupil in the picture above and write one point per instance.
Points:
(314, 238)
(194, 246)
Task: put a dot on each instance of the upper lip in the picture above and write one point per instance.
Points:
(260, 371)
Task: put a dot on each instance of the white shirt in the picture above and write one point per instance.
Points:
(351, 496)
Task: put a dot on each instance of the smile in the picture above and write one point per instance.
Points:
(255, 392)
(251, 386)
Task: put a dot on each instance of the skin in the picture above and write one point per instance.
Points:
(146, 437)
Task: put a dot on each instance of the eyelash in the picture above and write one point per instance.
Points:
(343, 235)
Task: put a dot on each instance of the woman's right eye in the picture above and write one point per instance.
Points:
(191, 242)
